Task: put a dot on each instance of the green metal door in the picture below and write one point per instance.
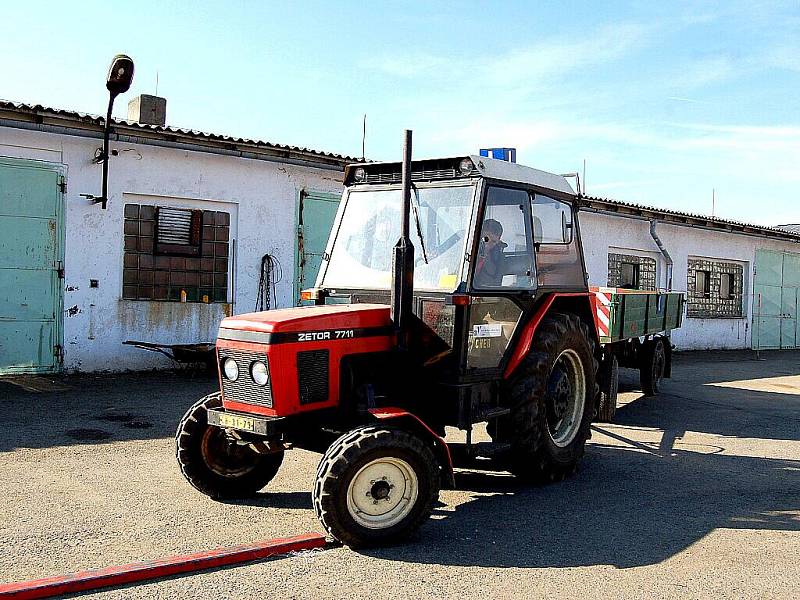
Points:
(789, 293)
(775, 299)
(316, 213)
(31, 241)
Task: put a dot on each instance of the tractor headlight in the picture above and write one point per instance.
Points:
(359, 174)
(231, 369)
(259, 372)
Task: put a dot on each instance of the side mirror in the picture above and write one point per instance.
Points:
(120, 74)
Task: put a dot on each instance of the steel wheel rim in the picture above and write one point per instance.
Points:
(382, 493)
(566, 425)
(225, 458)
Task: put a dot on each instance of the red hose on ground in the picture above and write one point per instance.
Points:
(155, 569)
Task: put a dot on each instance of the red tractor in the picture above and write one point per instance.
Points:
(481, 313)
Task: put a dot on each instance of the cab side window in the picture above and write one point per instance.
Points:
(505, 251)
(558, 259)
(552, 220)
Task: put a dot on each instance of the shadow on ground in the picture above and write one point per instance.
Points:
(631, 504)
(43, 412)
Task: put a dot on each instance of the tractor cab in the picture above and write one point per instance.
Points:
(490, 238)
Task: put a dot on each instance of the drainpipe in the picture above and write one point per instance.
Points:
(663, 249)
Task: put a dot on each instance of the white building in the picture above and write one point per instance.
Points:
(249, 195)
(191, 216)
(741, 280)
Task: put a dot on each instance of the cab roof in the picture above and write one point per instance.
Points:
(448, 168)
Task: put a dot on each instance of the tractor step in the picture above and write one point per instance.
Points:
(468, 455)
(493, 413)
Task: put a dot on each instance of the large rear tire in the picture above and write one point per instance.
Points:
(375, 485)
(552, 398)
(214, 464)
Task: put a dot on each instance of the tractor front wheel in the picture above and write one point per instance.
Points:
(215, 464)
(376, 485)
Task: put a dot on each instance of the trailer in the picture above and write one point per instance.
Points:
(633, 327)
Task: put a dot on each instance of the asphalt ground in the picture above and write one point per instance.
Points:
(694, 493)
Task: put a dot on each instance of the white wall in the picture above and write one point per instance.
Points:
(601, 231)
(260, 195)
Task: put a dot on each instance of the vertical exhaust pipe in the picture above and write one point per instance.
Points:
(403, 258)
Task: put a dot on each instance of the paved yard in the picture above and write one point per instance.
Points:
(695, 493)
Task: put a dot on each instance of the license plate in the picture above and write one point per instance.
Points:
(237, 422)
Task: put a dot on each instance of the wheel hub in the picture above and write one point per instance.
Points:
(382, 493)
(380, 490)
(565, 398)
(224, 456)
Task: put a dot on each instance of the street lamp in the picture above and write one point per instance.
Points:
(118, 81)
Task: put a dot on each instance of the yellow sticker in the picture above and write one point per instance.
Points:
(447, 281)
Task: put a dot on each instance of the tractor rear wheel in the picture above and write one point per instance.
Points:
(375, 485)
(215, 464)
(552, 397)
(608, 379)
(652, 366)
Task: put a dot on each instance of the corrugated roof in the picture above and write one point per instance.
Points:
(793, 227)
(38, 113)
(609, 205)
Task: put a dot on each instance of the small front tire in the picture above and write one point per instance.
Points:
(376, 485)
(215, 465)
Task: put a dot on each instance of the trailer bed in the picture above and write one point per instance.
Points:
(622, 314)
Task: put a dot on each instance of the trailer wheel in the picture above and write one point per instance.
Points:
(608, 378)
(652, 366)
(375, 485)
(216, 465)
(552, 396)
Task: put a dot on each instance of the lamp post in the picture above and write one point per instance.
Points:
(118, 81)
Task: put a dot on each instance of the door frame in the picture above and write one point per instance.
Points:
(303, 193)
(60, 170)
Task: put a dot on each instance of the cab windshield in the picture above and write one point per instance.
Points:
(362, 251)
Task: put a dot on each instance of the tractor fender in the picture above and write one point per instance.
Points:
(413, 423)
(575, 302)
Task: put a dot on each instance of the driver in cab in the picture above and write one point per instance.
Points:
(490, 268)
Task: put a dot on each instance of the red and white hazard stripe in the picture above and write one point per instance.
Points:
(603, 313)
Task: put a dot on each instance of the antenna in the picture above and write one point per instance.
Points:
(156, 94)
(363, 137)
(713, 201)
(584, 175)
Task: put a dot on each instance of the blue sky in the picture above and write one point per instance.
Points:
(664, 101)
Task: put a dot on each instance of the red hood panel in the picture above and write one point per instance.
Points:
(311, 318)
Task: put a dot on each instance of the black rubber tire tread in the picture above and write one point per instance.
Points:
(649, 382)
(341, 463)
(608, 380)
(188, 438)
(533, 456)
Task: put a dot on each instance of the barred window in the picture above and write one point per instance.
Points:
(631, 272)
(175, 254)
(714, 289)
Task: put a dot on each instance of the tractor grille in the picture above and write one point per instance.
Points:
(312, 375)
(244, 389)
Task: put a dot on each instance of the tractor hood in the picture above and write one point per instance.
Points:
(337, 321)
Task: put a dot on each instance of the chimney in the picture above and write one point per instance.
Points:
(148, 110)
